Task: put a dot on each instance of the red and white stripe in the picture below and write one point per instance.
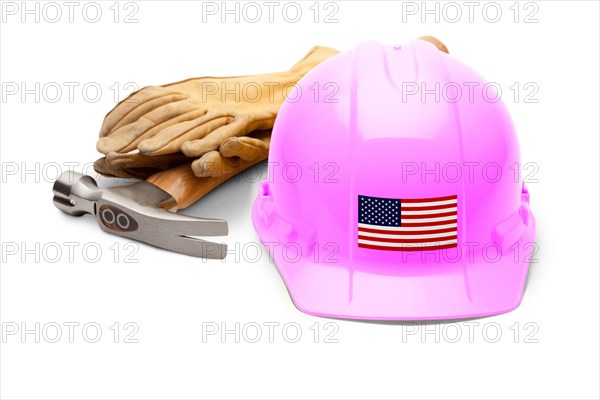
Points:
(426, 224)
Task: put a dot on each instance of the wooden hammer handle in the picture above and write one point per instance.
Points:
(186, 188)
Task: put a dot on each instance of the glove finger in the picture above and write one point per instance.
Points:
(137, 160)
(246, 147)
(213, 164)
(136, 105)
(102, 167)
(232, 154)
(239, 126)
(436, 42)
(172, 138)
(159, 128)
(128, 136)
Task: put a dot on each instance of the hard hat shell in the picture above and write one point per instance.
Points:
(378, 131)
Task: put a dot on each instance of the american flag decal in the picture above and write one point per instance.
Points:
(407, 224)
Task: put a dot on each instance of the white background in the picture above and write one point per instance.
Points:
(169, 296)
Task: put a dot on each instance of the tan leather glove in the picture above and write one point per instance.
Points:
(173, 124)
(233, 156)
(196, 116)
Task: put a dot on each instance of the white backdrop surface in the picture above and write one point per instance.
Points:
(136, 321)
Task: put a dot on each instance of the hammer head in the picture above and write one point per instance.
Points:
(75, 193)
(134, 211)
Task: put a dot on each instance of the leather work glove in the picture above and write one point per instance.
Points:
(233, 156)
(195, 116)
(201, 119)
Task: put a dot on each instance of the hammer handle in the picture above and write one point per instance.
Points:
(186, 188)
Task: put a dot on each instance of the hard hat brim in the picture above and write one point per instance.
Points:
(352, 288)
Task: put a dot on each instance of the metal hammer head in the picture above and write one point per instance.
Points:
(75, 193)
(134, 211)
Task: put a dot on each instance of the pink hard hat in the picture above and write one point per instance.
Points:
(393, 190)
